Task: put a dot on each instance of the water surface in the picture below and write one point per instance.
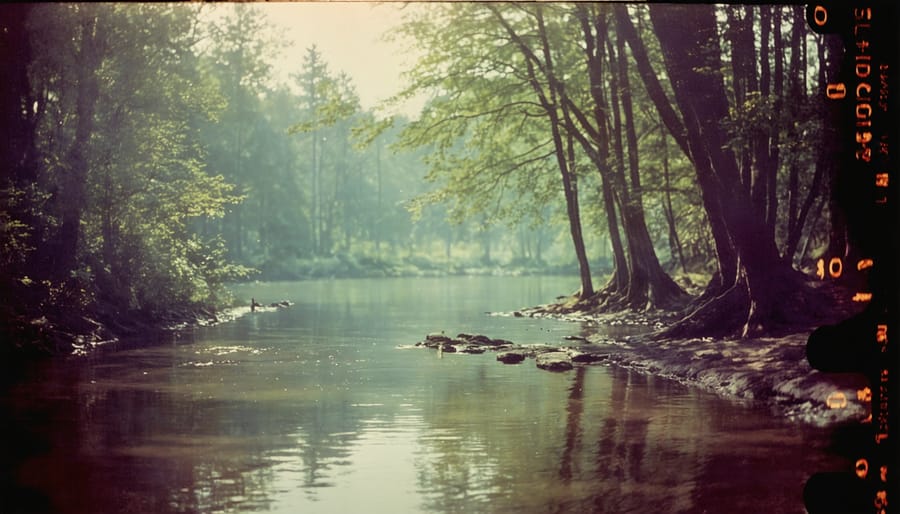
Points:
(314, 409)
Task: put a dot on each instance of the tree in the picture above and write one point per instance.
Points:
(647, 285)
(241, 48)
(764, 286)
(122, 174)
(327, 102)
(494, 125)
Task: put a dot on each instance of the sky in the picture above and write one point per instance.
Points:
(349, 37)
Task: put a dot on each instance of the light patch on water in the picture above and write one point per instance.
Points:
(206, 364)
(227, 350)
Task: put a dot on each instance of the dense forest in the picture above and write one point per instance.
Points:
(657, 151)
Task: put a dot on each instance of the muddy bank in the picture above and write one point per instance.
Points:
(70, 332)
(769, 370)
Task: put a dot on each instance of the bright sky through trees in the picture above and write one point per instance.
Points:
(349, 36)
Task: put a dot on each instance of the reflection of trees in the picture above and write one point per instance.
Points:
(524, 449)
(620, 445)
(574, 409)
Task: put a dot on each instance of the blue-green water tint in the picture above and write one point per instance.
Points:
(314, 409)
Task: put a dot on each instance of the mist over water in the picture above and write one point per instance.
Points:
(314, 409)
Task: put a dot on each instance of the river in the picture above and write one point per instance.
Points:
(314, 408)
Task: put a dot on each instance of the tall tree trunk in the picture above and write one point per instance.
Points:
(88, 59)
(765, 287)
(551, 106)
(775, 133)
(649, 284)
(378, 212)
(744, 84)
(16, 116)
(761, 142)
(618, 281)
(674, 242)
(624, 272)
(796, 92)
(726, 257)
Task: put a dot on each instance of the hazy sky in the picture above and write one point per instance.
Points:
(349, 37)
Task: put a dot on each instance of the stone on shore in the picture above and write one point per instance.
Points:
(587, 356)
(554, 361)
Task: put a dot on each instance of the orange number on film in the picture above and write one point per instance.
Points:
(862, 468)
(864, 395)
(820, 15)
(836, 400)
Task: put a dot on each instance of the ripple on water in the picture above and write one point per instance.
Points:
(227, 350)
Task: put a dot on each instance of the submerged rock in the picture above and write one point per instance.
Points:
(437, 337)
(511, 357)
(502, 343)
(554, 361)
(435, 341)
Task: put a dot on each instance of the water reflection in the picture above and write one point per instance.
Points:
(574, 409)
(313, 409)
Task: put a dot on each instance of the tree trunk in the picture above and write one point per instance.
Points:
(765, 287)
(551, 106)
(674, 242)
(618, 281)
(775, 134)
(16, 123)
(743, 55)
(570, 188)
(796, 91)
(760, 135)
(649, 285)
(378, 212)
(90, 55)
(726, 259)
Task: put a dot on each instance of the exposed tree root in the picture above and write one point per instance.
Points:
(786, 303)
(714, 316)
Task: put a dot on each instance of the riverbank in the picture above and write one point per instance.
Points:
(34, 335)
(345, 265)
(771, 370)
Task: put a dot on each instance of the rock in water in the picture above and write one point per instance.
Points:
(510, 357)
(554, 361)
(437, 337)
